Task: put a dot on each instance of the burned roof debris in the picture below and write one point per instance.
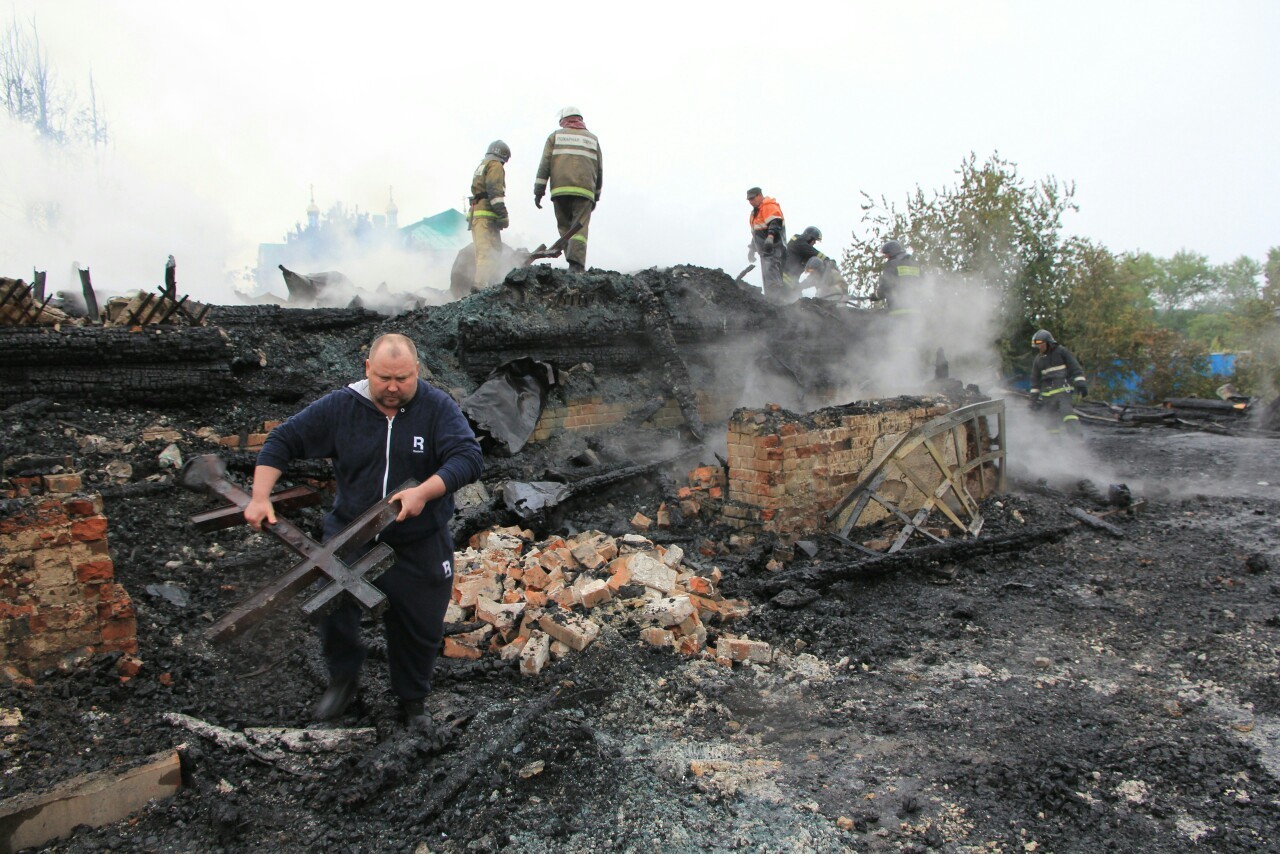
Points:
(664, 633)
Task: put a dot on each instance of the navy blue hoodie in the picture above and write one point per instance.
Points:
(373, 454)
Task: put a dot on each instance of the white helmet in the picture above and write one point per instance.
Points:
(570, 111)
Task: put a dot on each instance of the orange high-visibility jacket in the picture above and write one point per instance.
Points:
(767, 218)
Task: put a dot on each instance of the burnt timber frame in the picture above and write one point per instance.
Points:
(980, 454)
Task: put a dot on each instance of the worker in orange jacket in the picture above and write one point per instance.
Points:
(768, 240)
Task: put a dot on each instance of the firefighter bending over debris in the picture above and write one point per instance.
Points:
(768, 240)
(571, 162)
(379, 432)
(488, 215)
(803, 257)
(1054, 374)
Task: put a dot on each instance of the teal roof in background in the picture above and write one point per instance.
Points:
(444, 231)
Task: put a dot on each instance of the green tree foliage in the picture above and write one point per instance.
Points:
(1108, 311)
(1257, 326)
(1120, 314)
(1173, 366)
(994, 229)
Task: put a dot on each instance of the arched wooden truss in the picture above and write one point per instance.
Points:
(937, 466)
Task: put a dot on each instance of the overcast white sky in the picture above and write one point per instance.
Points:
(1164, 114)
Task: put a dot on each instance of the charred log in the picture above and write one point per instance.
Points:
(483, 758)
(292, 319)
(674, 371)
(159, 367)
(951, 552)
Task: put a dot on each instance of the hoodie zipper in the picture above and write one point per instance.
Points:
(386, 462)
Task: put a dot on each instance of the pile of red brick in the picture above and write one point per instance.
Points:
(58, 595)
(535, 601)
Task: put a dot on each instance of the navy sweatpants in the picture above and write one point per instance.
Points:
(417, 587)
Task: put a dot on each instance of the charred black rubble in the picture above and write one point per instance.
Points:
(1046, 686)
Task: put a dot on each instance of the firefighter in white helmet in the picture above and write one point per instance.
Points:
(572, 165)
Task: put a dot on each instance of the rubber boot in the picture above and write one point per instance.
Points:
(336, 699)
(415, 715)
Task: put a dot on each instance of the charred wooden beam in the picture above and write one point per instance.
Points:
(135, 316)
(951, 551)
(90, 298)
(171, 279)
(164, 318)
(155, 308)
(674, 370)
(483, 758)
(1094, 522)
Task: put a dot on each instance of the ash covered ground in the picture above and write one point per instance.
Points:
(1083, 693)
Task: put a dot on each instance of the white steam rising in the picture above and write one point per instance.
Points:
(65, 206)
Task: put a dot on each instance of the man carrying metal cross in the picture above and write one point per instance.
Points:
(382, 431)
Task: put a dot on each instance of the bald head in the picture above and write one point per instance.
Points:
(395, 344)
(392, 370)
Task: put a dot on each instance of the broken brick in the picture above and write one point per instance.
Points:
(641, 522)
(743, 649)
(61, 483)
(468, 644)
(536, 654)
(702, 586)
(571, 629)
(586, 555)
(595, 593)
(668, 612)
(501, 617)
(652, 573)
(655, 636)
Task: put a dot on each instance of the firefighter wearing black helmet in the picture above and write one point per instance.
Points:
(1054, 374)
(488, 214)
(900, 282)
(803, 257)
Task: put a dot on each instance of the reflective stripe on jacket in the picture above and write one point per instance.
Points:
(800, 254)
(489, 189)
(900, 271)
(571, 162)
(767, 219)
(1055, 368)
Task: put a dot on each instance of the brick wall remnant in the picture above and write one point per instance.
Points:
(786, 470)
(58, 594)
(595, 414)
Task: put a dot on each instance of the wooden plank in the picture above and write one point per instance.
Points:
(103, 797)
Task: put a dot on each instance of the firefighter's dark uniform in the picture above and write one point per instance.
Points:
(572, 166)
(1054, 374)
(802, 256)
(488, 216)
(900, 285)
